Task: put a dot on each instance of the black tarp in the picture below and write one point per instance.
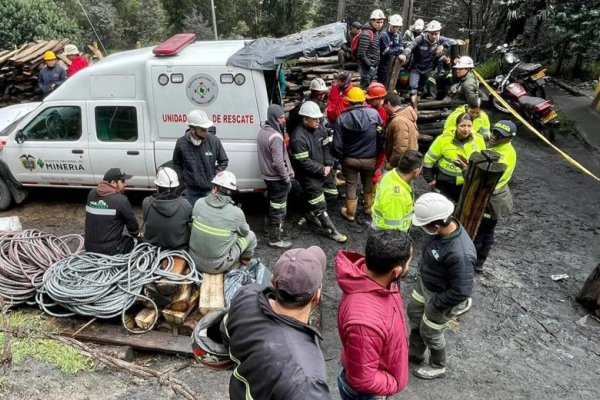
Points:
(267, 53)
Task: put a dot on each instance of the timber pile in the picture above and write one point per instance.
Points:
(179, 307)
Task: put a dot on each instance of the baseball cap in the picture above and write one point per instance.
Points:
(115, 174)
(505, 128)
(299, 272)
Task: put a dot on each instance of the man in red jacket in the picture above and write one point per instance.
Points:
(336, 101)
(77, 61)
(374, 361)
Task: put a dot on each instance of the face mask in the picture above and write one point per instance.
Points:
(427, 231)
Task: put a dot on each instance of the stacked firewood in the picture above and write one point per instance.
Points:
(179, 307)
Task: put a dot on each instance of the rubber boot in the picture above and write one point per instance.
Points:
(275, 238)
(482, 255)
(332, 231)
(436, 368)
(369, 198)
(416, 347)
(349, 211)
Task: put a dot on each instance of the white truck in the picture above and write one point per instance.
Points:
(128, 110)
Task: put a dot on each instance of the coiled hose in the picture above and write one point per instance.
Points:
(103, 286)
(25, 256)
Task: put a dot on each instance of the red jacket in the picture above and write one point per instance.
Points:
(336, 102)
(77, 63)
(372, 329)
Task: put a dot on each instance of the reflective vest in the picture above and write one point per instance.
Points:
(508, 156)
(481, 124)
(394, 200)
(445, 149)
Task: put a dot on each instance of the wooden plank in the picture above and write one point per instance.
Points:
(211, 293)
(146, 318)
(39, 52)
(190, 323)
(31, 47)
(164, 286)
(177, 318)
(104, 333)
(7, 56)
(181, 301)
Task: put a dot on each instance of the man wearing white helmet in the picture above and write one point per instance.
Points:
(198, 156)
(77, 61)
(166, 215)
(390, 45)
(444, 285)
(313, 164)
(318, 93)
(221, 238)
(367, 54)
(425, 51)
(413, 31)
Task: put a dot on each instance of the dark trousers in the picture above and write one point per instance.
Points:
(485, 234)
(352, 168)
(367, 75)
(417, 81)
(192, 194)
(450, 190)
(347, 393)
(278, 194)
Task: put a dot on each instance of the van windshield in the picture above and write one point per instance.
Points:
(10, 127)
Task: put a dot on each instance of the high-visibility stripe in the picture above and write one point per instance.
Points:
(393, 222)
(301, 156)
(418, 297)
(331, 191)
(100, 211)
(236, 373)
(327, 140)
(432, 324)
(277, 206)
(210, 230)
(317, 199)
(243, 242)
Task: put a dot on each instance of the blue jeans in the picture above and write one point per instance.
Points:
(367, 74)
(347, 393)
(417, 81)
(192, 194)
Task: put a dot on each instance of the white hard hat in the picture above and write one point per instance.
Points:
(310, 109)
(71, 50)
(431, 207)
(200, 119)
(318, 84)
(395, 20)
(167, 178)
(226, 180)
(465, 62)
(377, 14)
(419, 24)
(434, 26)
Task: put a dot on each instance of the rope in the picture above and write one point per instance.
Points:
(25, 256)
(103, 286)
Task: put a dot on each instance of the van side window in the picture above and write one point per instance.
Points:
(116, 124)
(55, 123)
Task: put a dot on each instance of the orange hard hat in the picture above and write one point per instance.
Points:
(376, 90)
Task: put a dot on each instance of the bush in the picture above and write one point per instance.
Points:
(488, 69)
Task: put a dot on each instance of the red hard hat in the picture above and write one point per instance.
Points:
(376, 90)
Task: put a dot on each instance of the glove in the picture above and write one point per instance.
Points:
(373, 70)
(453, 89)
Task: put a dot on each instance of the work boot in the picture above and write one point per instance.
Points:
(462, 307)
(275, 238)
(482, 255)
(436, 368)
(369, 198)
(349, 211)
(310, 219)
(330, 228)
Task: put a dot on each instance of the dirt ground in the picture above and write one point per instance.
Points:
(519, 341)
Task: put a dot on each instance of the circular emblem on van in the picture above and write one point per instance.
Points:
(202, 90)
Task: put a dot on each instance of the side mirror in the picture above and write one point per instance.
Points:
(488, 45)
(20, 137)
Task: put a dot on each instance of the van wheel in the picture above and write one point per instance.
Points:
(5, 196)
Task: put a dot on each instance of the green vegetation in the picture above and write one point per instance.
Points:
(27, 343)
(488, 69)
(567, 126)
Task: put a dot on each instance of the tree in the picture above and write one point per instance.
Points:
(195, 23)
(177, 11)
(26, 20)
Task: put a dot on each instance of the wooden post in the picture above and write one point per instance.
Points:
(392, 78)
(481, 179)
(341, 10)
(212, 297)
(407, 12)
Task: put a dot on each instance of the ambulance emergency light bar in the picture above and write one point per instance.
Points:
(174, 44)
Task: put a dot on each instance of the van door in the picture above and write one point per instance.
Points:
(118, 140)
(52, 147)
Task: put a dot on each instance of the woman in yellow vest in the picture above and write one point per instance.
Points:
(448, 156)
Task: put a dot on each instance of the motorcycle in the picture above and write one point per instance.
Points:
(531, 75)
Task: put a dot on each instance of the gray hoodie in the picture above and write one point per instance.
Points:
(273, 158)
(167, 222)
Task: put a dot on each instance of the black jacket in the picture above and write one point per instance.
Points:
(106, 213)
(447, 268)
(198, 165)
(167, 222)
(368, 46)
(277, 357)
(310, 152)
(358, 133)
(423, 52)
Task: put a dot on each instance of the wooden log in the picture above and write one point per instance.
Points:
(166, 287)
(30, 49)
(176, 318)
(181, 301)
(164, 326)
(5, 57)
(317, 60)
(120, 352)
(190, 323)
(212, 297)
(434, 104)
(431, 125)
(151, 291)
(130, 321)
(146, 318)
(481, 179)
(589, 295)
(425, 138)
(39, 52)
(435, 115)
(394, 74)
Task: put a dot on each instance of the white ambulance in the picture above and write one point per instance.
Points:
(128, 110)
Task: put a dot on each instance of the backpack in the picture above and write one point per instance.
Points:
(355, 40)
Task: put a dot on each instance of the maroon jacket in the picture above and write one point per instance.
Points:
(372, 329)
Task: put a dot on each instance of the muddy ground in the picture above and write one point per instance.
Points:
(519, 341)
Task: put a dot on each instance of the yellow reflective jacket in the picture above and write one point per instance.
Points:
(481, 124)
(508, 157)
(394, 200)
(445, 149)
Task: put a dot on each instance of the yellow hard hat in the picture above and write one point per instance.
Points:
(356, 95)
(49, 55)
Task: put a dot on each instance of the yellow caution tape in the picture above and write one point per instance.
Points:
(532, 129)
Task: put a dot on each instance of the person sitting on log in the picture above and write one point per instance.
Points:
(448, 156)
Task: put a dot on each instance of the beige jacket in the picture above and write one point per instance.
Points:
(401, 134)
